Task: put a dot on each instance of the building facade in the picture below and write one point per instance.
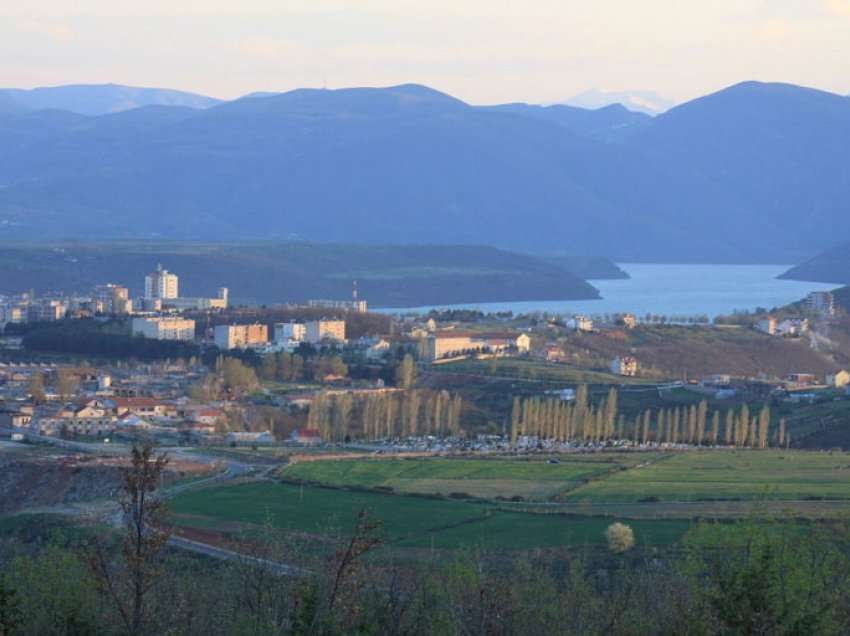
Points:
(317, 331)
(164, 328)
(241, 336)
(161, 284)
(285, 331)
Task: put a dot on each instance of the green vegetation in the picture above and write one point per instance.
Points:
(718, 475)
(412, 522)
(484, 478)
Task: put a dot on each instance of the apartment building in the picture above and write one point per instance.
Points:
(285, 331)
(161, 284)
(164, 328)
(317, 331)
(241, 336)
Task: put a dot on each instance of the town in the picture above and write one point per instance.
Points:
(239, 376)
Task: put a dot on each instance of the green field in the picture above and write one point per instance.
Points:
(484, 478)
(718, 475)
(567, 504)
(409, 522)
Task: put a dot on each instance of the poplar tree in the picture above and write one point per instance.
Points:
(729, 428)
(692, 424)
(715, 427)
(702, 411)
(763, 426)
(515, 419)
(456, 408)
(780, 435)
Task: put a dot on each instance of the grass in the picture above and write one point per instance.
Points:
(484, 478)
(408, 522)
(736, 475)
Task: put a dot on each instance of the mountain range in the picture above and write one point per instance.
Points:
(99, 99)
(753, 173)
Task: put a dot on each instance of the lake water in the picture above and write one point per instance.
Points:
(671, 290)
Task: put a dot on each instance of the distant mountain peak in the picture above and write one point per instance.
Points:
(641, 101)
(101, 99)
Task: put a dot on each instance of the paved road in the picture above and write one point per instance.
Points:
(215, 552)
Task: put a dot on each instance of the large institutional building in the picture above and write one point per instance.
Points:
(161, 284)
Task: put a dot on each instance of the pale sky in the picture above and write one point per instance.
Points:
(483, 51)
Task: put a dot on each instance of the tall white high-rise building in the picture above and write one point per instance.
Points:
(161, 284)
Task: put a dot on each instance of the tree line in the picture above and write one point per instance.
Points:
(582, 421)
(388, 414)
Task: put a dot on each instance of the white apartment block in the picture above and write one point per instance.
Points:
(164, 328)
(325, 330)
(161, 284)
(285, 331)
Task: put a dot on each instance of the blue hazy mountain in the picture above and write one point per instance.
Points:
(754, 173)
(647, 102)
(606, 123)
(99, 99)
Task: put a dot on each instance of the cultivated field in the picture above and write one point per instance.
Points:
(408, 521)
(483, 478)
(522, 503)
(727, 475)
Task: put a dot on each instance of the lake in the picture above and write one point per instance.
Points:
(671, 289)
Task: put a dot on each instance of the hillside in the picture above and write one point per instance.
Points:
(387, 276)
(408, 164)
(586, 267)
(693, 352)
(831, 266)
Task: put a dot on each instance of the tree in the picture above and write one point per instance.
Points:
(620, 537)
(763, 426)
(516, 412)
(128, 585)
(405, 373)
(715, 427)
(238, 378)
(36, 388)
(67, 384)
(10, 615)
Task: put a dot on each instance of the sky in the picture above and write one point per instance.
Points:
(482, 51)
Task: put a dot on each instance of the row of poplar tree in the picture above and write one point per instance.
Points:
(580, 420)
(385, 415)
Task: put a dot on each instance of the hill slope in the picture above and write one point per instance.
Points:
(831, 266)
(387, 276)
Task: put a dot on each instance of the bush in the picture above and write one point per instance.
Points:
(620, 537)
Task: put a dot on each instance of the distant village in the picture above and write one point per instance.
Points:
(197, 400)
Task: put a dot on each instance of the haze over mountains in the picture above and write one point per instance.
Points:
(754, 173)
